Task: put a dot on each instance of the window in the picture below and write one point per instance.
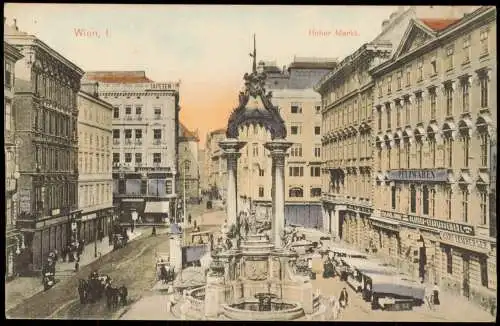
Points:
(379, 157)
(318, 109)
(448, 197)
(379, 118)
(393, 197)
(449, 99)
(420, 145)
(413, 199)
(433, 98)
(296, 171)
(8, 75)
(465, 205)
(255, 149)
(116, 157)
(380, 89)
(296, 192)
(317, 152)
(315, 192)
(449, 260)
(448, 151)
(449, 57)
(432, 202)
(399, 78)
(128, 157)
(408, 110)
(432, 148)
(295, 108)
(261, 172)
(8, 116)
(388, 156)
(157, 134)
(397, 144)
(466, 49)
(408, 76)
(483, 266)
(295, 130)
(296, 150)
(315, 171)
(465, 147)
(483, 204)
(406, 145)
(317, 130)
(138, 134)
(156, 157)
(425, 200)
(121, 186)
(420, 68)
(138, 158)
(398, 113)
(433, 66)
(261, 191)
(483, 37)
(144, 187)
(419, 100)
(484, 144)
(128, 133)
(483, 82)
(128, 110)
(388, 112)
(138, 110)
(168, 187)
(157, 113)
(116, 112)
(389, 85)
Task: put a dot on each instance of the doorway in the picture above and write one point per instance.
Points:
(422, 259)
(466, 275)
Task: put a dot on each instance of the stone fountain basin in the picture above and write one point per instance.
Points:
(248, 309)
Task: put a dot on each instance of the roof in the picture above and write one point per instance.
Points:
(438, 24)
(187, 134)
(11, 51)
(312, 65)
(118, 77)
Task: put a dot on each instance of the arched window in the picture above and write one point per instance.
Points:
(425, 200)
(431, 136)
(296, 192)
(413, 199)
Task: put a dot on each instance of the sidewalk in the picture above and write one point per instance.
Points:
(22, 288)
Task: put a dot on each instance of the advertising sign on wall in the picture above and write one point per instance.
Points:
(435, 175)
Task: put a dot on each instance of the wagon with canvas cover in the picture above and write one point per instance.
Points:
(164, 270)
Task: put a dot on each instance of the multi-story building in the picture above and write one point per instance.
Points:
(95, 182)
(145, 142)
(202, 170)
(46, 114)
(215, 164)
(435, 121)
(300, 108)
(189, 169)
(14, 239)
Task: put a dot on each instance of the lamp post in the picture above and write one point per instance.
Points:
(95, 237)
(184, 201)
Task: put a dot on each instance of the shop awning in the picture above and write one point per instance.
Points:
(157, 207)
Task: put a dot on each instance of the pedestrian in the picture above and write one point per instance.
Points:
(344, 298)
(77, 265)
(435, 295)
(334, 305)
(189, 219)
(56, 255)
(154, 230)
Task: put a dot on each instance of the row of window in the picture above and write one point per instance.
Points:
(93, 163)
(89, 140)
(403, 154)
(151, 187)
(53, 123)
(483, 265)
(137, 157)
(450, 55)
(55, 159)
(353, 147)
(95, 194)
(297, 130)
(50, 88)
(351, 185)
(349, 113)
(157, 112)
(296, 108)
(405, 104)
(298, 171)
(298, 192)
(423, 201)
(55, 196)
(296, 151)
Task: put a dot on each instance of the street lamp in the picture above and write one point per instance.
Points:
(95, 237)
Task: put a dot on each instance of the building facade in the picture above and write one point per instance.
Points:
(189, 164)
(435, 121)
(300, 108)
(145, 143)
(14, 239)
(215, 164)
(46, 114)
(95, 182)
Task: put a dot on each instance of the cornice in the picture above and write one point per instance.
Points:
(11, 52)
(96, 100)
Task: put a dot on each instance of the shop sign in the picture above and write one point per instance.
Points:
(89, 217)
(435, 175)
(56, 211)
(465, 240)
(440, 224)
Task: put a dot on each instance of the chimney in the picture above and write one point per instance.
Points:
(15, 24)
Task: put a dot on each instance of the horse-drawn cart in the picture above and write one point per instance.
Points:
(164, 270)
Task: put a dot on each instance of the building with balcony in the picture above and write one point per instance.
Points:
(189, 164)
(45, 113)
(144, 141)
(95, 182)
(435, 127)
(215, 164)
(300, 108)
(14, 239)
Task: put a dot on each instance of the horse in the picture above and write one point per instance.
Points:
(95, 289)
(123, 293)
(112, 296)
(83, 290)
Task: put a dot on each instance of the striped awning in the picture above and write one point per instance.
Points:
(157, 207)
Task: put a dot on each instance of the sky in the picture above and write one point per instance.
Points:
(206, 47)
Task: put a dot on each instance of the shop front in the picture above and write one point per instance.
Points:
(384, 238)
(156, 212)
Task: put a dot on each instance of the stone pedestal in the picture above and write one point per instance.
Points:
(214, 299)
(176, 252)
(231, 148)
(278, 149)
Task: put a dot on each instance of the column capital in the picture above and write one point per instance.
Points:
(278, 147)
(231, 146)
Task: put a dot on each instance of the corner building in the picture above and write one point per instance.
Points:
(435, 122)
(145, 143)
(46, 116)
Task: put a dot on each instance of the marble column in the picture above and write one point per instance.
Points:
(231, 148)
(278, 149)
